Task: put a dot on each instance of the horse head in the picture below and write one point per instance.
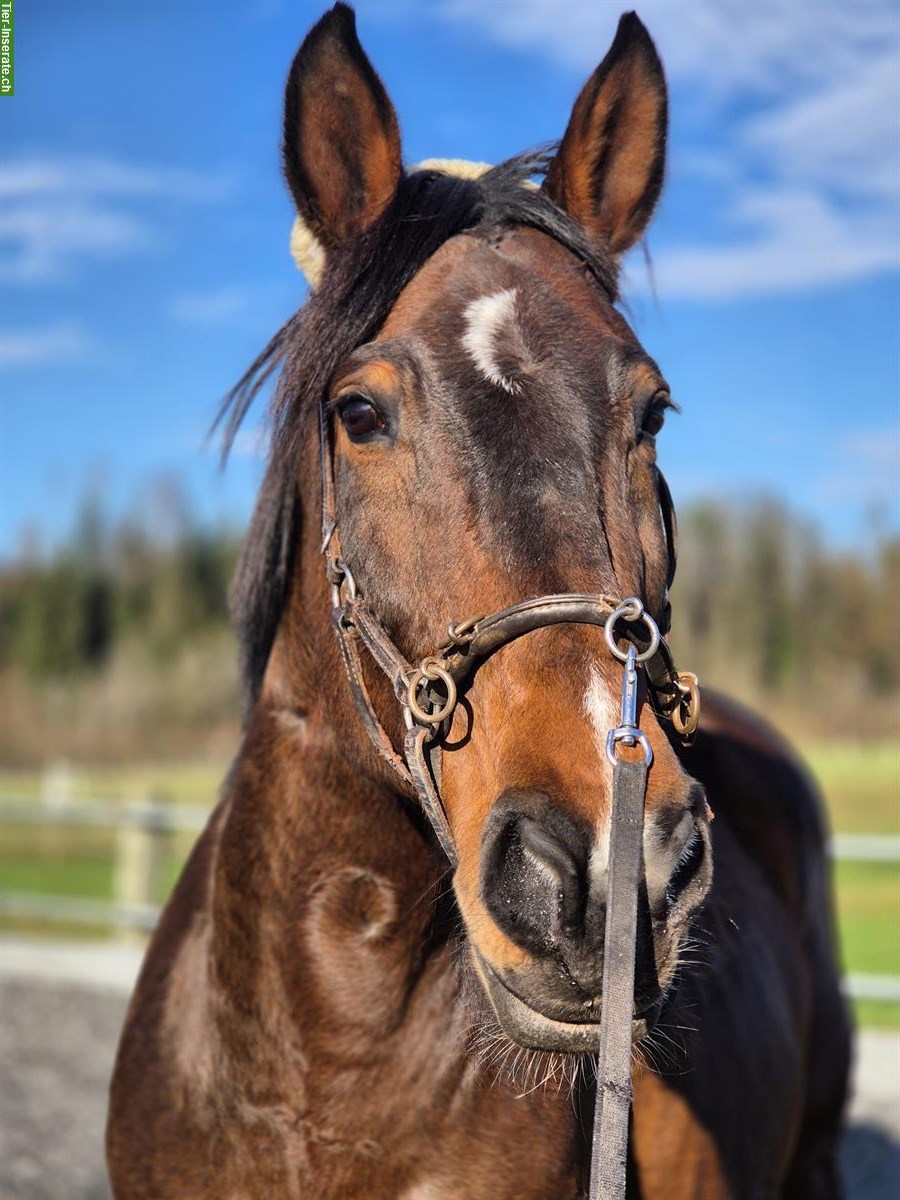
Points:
(490, 427)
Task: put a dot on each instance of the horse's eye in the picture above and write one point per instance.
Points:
(655, 415)
(360, 418)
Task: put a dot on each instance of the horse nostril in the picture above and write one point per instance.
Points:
(677, 862)
(533, 882)
(550, 856)
(687, 866)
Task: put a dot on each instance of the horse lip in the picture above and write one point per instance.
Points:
(533, 1029)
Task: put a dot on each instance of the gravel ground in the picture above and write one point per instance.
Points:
(56, 1050)
(56, 1055)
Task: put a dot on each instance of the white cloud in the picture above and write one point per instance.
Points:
(46, 237)
(211, 307)
(40, 175)
(781, 240)
(725, 46)
(807, 178)
(845, 136)
(65, 341)
(58, 212)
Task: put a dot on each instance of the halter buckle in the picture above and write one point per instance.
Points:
(686, 711)
(461, 633)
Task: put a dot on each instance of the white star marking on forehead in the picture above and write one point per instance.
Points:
(485, 320)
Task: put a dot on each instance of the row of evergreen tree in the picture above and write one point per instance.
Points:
(66, 613)
(758, 596)
(761, 599)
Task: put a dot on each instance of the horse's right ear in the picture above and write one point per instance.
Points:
(341, 139)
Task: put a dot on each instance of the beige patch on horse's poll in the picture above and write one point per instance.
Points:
(486, 318)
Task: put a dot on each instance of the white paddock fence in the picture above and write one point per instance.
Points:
(144, 835)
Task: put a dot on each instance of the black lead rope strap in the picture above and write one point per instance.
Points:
(609, 1151)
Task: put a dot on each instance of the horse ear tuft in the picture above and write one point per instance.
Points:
(608, 172)
(341, 145)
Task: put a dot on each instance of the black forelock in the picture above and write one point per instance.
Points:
(360, 286)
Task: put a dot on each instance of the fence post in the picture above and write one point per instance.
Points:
(57, 793)
(57, 785)
(143, 841)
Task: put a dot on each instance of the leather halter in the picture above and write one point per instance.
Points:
(428, 693)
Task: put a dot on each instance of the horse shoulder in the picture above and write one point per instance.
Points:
(164, 1061)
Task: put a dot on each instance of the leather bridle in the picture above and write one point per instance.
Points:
(428, 692)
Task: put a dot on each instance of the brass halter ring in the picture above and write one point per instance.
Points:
(686, 713)
(631, 609)
(431, 669)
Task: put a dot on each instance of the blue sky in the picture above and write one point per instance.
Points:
(144, 231)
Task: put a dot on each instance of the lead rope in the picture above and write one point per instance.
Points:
(609, 1148)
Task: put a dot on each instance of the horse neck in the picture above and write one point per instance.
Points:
(318, 755)
(320, 856)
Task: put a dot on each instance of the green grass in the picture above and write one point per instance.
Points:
(82, 878)
(861, 785)
(876, 1014)
(868, 904)
(869, 909)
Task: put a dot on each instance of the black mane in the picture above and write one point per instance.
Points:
(360, 286)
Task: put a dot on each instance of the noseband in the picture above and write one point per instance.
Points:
(428, 695)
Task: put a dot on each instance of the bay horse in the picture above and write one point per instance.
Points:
(327, 1009)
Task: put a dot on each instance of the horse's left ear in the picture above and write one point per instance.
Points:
(341, 139)
(609, 169)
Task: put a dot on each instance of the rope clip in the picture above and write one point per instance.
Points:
(627, 731)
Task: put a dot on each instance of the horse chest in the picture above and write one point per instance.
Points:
(410, 1119)
(346, 1070)
(462, 1139)
(398, 1104)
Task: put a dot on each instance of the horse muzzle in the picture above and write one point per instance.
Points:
(536, 1030)
(543, 885)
